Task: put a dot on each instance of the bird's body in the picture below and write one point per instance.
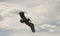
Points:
(26, 21)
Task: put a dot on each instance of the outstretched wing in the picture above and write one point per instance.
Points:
(31, 25)
(22, 15)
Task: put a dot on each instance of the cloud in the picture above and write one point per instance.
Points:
(30, 3)
(51, 28)
(5, 32)
(9, 12)
(44, 16)
(36, 34)
(47, 14)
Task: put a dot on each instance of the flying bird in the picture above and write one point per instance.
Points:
(26, 21)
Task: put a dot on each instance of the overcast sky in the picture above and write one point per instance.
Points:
(45, 14)
(30, 3)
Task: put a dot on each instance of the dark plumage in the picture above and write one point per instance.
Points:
(26, 21)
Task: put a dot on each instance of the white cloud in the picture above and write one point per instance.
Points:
(36, 34)
(44, 16)
(9, 12)
(30, 3)
(47, 13)
(51, 28)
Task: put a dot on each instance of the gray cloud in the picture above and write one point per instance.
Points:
(1, 18)
(5, 32)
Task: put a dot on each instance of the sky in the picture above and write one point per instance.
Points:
(45, 14)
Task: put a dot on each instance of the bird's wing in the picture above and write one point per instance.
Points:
(31, 25)
(22, 15)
